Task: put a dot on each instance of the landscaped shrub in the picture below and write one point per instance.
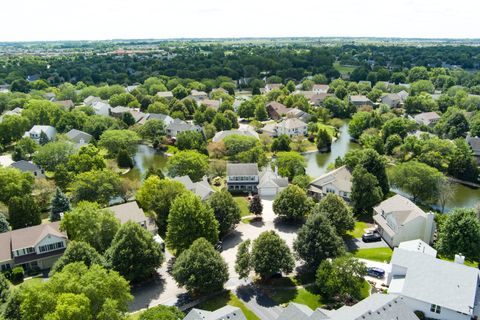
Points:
(17, 275)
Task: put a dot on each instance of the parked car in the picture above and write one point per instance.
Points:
(371, 237)
(376, 272)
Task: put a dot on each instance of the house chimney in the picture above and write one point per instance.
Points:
(459, 258)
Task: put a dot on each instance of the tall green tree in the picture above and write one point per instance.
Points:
(324, 141)
(78, 251)
(52, 154)
(4, 289)
(89, 223)
(200, 268)
(225, 209)
(134, 253)
(188, 163)
(156, 195)
(116, 140)
(341, 278)
(4, 225)
(23, 212)
(290, 164)
(460, 234)
(96, 186)
(337, 212)
(256, 206)
(243, 265)
(374, 163)
(292, 203)
(317, 240)
(60, 204)
(270, 255)
(366, 191)
(418, 179)
(15, 183)
(188, 220)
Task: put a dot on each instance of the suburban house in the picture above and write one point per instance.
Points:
(36, 131)
(79, 137)
(292, 127)
(36, 247)
(242, 177)
(130, 211)
(222, 90)
(101, 108)
(165, 118)
(119, 111)
(201, 188)
(27, 166)
(242, 131)
(474, 143)
(392, 100)
(338, 181)
(320, 88)
(272, 86)
(165, 94)
(271, 183)
(177, 126)
(276, 110)
(439, 289)
(214, 104)
(90, 100)
(315, 99)
(66, 104)
(375, 307)
(360, 101)
(224, 313)
(403, 95)
(398, 219)
(198, 95)
(299, 114)
(427, 118)
(129, 89)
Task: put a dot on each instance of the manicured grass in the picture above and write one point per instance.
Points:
(308, 296)
(467, 262)
(222, 300)
(297, 280)
(30, 281)
(134, 316)
(374, 254)
(330, 129)
(359, 230)
(343, 69)
(242, 202)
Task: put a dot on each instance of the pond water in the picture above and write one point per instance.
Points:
(317, 164)
(145, 158)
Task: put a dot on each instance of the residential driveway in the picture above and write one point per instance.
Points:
(379, 283)
(163, 290)
(357, 243)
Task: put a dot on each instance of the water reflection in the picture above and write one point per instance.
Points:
(145, 158)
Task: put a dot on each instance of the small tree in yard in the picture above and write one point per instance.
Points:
(23, 212)
(243, 264)
(162, 313)
(200, 268)
(60, 204)
(225, 209)
(256, 206)
(324, 141)
(123, 159)
(4, 289)
(270, 255)
(4, 226)
(78, 251)
(292, 203)
(341, 278)
(317, 240)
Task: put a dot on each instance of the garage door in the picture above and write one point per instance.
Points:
(267, 191)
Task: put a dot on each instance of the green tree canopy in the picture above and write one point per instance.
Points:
(134, 253)
(96, 186)
(270, 255)
(53, 154)
(78, 251)
(162, 312)
(292, 203)
(188, 163)
(366, 191)
(23, 212)
(188, 220)
(290, 164)
(337, 212)
(200, 268)
(89, 223)
(116, 140)
(317, 240)
(15, 183)
(225, 209)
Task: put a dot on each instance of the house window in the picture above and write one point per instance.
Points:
(51, 247)
(435, 308)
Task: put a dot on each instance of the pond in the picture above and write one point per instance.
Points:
(317, 164)
(145, 158)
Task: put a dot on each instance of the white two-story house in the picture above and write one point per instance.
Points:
(242, 177)
(36, 247)
(292, 127)
(36, 131)
(338, 181)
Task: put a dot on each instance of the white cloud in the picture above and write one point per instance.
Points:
(24, 20)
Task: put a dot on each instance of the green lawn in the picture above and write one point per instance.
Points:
(31, 281)
(375, 254)
(343, 69)
(330, 129)
(297, 280)
(467, 263)
(359, 230)
(308, 296)
(222, 300)
(243, 204)
(134, 316)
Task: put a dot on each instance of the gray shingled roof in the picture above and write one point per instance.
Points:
(77, 135)
(242, 169)
(227, 312)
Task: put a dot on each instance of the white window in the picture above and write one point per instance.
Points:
(51, 247)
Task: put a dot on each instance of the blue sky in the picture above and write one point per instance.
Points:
(24, 20)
